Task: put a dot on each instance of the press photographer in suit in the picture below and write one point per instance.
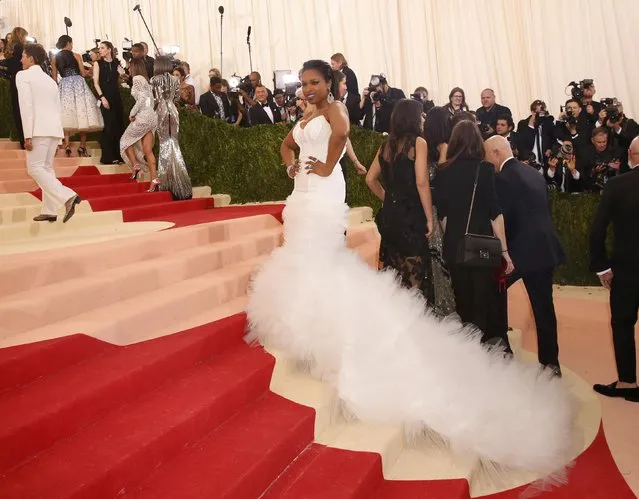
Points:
(378, 102)
(215, 103)
(533, 243)
(620, 273)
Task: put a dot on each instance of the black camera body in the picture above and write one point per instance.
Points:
(86, 57)
(484, 128)
(612, 111)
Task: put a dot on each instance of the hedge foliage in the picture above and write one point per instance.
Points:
(245, 163)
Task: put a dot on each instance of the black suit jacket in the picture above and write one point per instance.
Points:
(533, 242)
(619, 205)
(354, 111)
(526, 137)
(258, 116)
(490, 117)
(210, 107)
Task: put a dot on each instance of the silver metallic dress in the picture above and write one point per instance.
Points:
(145, 121)
(171, 168)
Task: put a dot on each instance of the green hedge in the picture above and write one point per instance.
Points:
(246, 164)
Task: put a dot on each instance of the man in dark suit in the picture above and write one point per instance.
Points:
(263, 112)
(620, 274)
(215, 103)
(536, 133)
(490, 111)
(533, 242)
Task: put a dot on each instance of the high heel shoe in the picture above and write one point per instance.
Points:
(155, 184)
(136, 172)
(82, 152)
(67, 151)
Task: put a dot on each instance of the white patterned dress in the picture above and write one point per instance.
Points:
(146, 120)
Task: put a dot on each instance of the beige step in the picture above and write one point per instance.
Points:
(26, 212)
(18, 199)
(38, 307)
(82, 219)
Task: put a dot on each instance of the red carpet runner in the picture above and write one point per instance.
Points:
(191, 415)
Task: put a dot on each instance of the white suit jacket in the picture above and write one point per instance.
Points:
(40, 106)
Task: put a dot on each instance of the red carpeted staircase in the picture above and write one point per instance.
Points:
(118, 192)
(191, 415)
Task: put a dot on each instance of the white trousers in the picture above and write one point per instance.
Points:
(40, 169)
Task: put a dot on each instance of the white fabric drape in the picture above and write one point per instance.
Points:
(523, 49)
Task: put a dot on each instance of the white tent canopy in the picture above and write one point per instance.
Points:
(523, 49)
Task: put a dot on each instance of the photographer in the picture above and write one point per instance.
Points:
(622, 130)
(590, 107)
(562, 173)
(421, 94)
(574, 126)
(378, 102)
(489, 112)
(601, 161)
(504, 126)
(536, 133)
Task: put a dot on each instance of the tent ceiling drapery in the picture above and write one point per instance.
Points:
(524, 49)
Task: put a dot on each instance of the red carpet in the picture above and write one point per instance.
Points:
(191, 415)
(226, 213)
(118, 192)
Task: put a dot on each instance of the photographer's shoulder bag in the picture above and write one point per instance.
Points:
(475, 250)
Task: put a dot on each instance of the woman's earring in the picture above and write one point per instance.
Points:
(330, 99)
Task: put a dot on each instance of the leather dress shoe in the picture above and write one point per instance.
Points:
(45, 218)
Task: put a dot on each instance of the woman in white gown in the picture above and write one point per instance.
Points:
(388, 357)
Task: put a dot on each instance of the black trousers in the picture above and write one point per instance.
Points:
(539, 287)
(624, 306)
(474, 290)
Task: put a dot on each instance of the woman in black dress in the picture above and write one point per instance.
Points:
(106, 79)
(10, 67)
(405, 221)
(474, 287)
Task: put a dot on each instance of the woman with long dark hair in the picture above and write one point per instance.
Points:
(106, 80)
(171, 168)
(136, 145)
(406, 219)
(474, 286)
(387, 356)
(79, 112)
(10, 67)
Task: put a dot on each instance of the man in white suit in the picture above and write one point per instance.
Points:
(41, 118)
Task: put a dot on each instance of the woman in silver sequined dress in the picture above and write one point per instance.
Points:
(171, 168)
(136, 145)
(80, 113)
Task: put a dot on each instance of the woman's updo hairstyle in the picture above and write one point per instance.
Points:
(324, 68)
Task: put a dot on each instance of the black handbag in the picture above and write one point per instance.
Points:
(475, 250)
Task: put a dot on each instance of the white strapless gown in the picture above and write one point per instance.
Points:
(389, 359)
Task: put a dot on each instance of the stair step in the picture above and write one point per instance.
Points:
(22, 272)
(127, 201)
(124, 322)
(322, 472)
(21, 173)
(37, 415)
(26, 363)
(156, 211)
(21, 162)
(239, 459)
(49, 304)
(118, 451)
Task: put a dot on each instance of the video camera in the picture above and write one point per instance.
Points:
(126, 50)
(577, 89)
(237, 84)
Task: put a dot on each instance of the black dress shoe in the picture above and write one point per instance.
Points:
(45, 218)
(611, 390)
(70, 205)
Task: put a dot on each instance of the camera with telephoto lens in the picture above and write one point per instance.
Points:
(86, 57)
(612, 111)
(577, 89)
(418, 97)
(484, 128)
(562, 151)
(570, 119)
(375, 82)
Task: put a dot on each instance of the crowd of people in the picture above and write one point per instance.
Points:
(82, 110)
(444, 173)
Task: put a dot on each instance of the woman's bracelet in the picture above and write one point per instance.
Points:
(101, 96)
(288, 170)
(505, 251)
